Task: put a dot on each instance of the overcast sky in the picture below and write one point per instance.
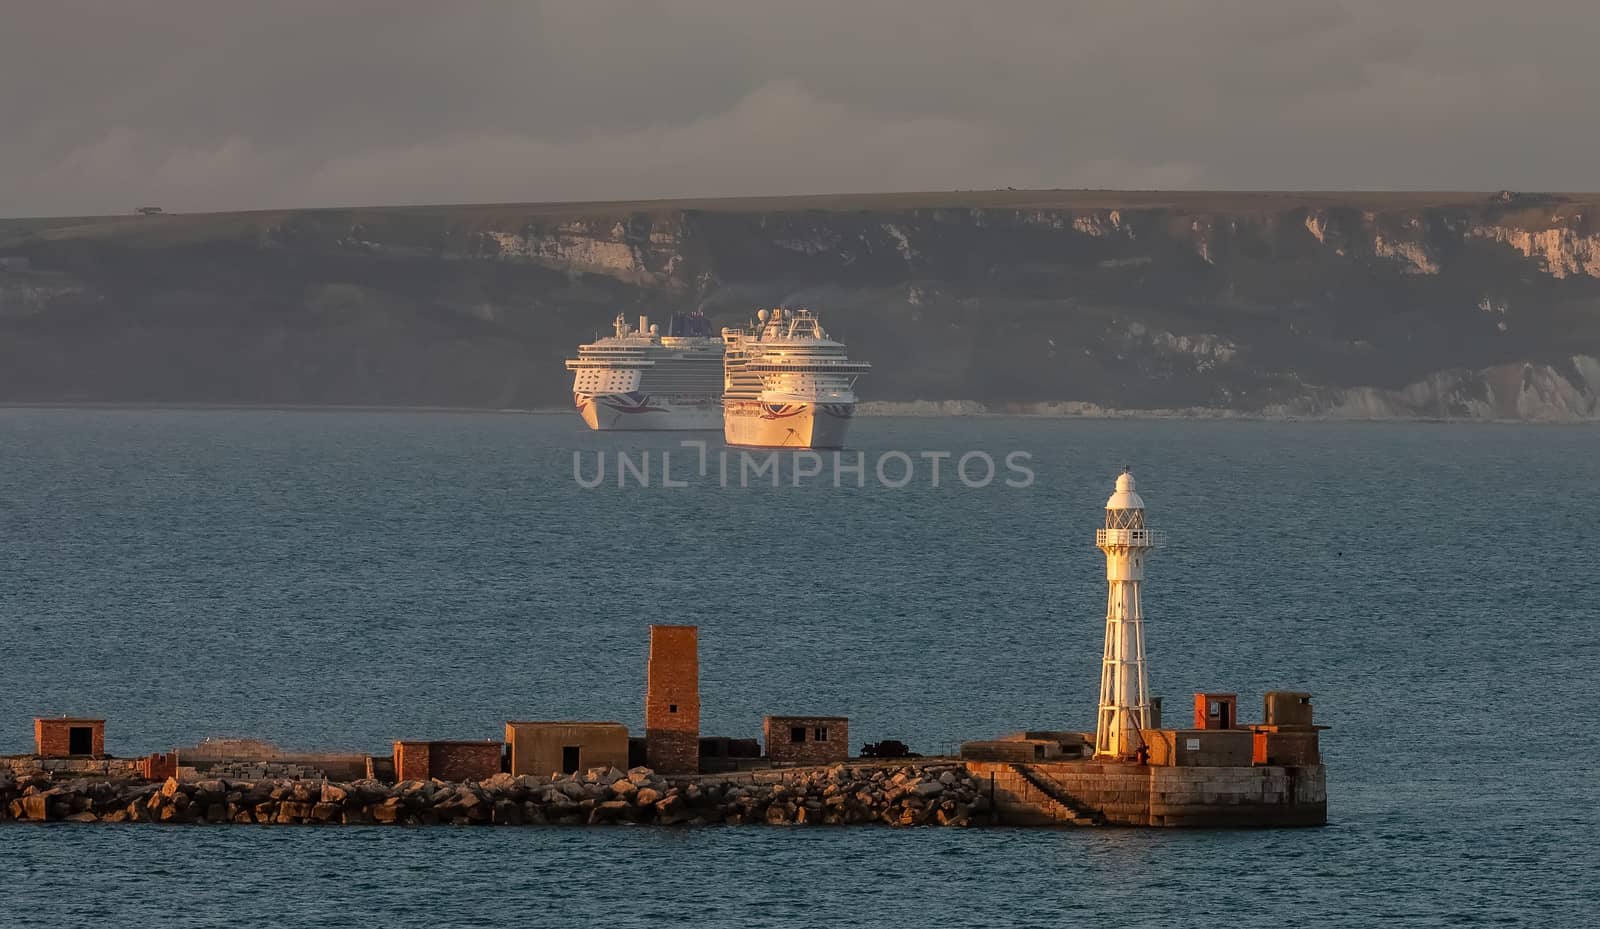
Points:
(214, 105)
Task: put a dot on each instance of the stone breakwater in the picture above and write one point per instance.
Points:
(890, 794)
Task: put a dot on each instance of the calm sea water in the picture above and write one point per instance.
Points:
(339, 580)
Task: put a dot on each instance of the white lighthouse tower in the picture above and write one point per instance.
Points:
(1124, 695)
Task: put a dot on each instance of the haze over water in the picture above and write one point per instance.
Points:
(339, 580)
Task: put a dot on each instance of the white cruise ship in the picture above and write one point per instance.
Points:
(786, 384)
(641, 379)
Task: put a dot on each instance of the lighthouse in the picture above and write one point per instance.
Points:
(1124, 694)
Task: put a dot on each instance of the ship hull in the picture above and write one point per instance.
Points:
(757, 424)
(637, 412)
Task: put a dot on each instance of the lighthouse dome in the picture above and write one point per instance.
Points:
(1125, 498)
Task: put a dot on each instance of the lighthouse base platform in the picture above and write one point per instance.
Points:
(1071, 793)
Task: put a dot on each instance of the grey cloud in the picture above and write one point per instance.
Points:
(206, 105)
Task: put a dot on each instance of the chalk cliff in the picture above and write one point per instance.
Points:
(1070, 302)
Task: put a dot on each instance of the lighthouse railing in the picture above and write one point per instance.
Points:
(1130, 538)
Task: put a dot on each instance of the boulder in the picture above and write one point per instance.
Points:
(326, 812)
(333, 793)
(507, 813)
(293, 810)
(84, 817)
(671, 810)
(388, 811)
(35, 808)
(958, 816)
(646, 796)
(927, 789)
(609, 811)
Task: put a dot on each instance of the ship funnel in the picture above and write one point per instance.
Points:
(644, 324)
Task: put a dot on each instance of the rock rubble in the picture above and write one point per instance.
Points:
(889, 794)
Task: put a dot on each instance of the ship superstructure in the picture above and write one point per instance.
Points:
(786, 383)
(644, 379)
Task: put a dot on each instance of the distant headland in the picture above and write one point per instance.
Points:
(1477, 305)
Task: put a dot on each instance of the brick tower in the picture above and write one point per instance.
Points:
(672, 700)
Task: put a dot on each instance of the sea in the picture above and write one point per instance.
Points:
(342, 579)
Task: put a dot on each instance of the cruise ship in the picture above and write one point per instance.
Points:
(786, 384)
(641, 379)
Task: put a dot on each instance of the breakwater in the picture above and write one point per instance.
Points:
(893, 794)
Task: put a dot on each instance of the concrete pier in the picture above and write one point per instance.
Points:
(1120, 794)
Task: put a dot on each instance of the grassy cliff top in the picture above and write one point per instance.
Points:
(175, 227)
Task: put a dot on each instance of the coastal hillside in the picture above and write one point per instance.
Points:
(1471, 305)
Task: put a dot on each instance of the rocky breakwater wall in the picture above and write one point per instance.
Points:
(896, 795)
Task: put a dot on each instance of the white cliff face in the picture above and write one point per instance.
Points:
(573, 247)
(1102, 224)
(1206, 351)
(1564, 252)
(32, 294)
(1541, 392)
(1516, 391)
(1201, 233)
(901, 242)
(1412, 255)
(823, 241)
(593, 249)
(1317, 225)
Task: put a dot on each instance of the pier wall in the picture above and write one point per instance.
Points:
(1146, 795)
(909, 793)
(20, 765)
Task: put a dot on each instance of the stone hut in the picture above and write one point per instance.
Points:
(69, 736)
(807, 739)
(447, 760)
(544, 748)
